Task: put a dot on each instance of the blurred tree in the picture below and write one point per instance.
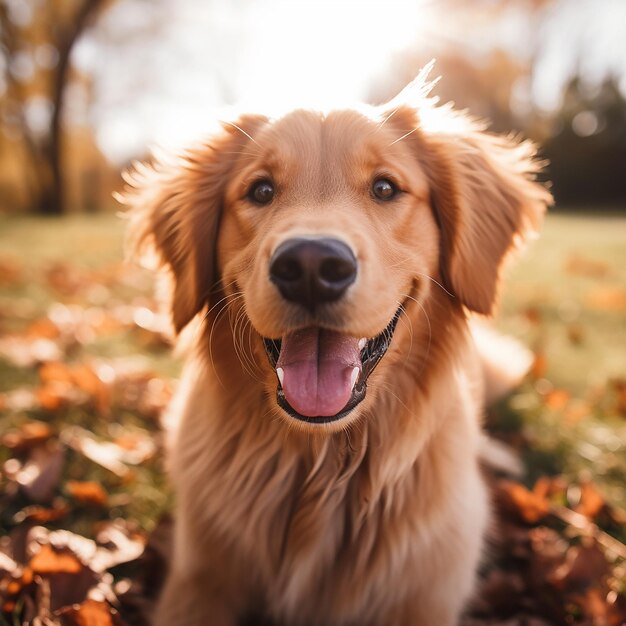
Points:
(587, 145)
(36, 42)
(484, 73)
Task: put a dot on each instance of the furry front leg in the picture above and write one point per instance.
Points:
(189, 600)
(424, 616)
(444, 569)
(203, 587)
(425, 609)
(439, 603)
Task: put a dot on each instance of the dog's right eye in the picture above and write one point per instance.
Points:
(262, 192)
(384, 189)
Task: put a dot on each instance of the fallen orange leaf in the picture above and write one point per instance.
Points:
(61, 381)
(48, 561)
(591, 501)
(43, 327)
(10, 272)
(87, 492)
(607, 299)
(557, 399)
(42, 515)
(89, 613)
(529, 506)
(539, 366)
(27, 436)
(533, 315)
(584, 266)
(55, 372)
(548, 487)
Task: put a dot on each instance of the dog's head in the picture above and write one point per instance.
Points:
(322, 228)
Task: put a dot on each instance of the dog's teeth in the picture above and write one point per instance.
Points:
(353, 377)
(362, 343)
(281, 375)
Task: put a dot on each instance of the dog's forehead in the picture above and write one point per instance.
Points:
(325, 137)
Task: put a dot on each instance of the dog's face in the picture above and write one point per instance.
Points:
(326, 232)
(322, 229)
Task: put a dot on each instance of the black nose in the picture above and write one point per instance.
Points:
(313, 271)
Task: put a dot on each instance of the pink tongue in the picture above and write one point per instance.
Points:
(317, 366)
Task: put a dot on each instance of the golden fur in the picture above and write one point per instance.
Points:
(376, 519)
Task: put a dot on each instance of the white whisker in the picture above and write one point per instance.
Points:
(403, 137)
(388, 118)
(430, 333)
(243, 132)
(230, 299)
(407, 320)
(238, 329)
(436, 283)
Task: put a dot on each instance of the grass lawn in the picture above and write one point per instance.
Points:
(71, 272)
(566, 299)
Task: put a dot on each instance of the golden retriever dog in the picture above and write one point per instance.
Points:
(324, 439)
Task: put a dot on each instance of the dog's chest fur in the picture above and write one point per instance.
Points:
(308, 516)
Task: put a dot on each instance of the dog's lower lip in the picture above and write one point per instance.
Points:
(371, 353)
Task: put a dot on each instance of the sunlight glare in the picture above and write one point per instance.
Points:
(322, 54)
(268, 56)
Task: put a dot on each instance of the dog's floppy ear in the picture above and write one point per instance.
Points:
(484, 195)
(175, 205)
(488, 204)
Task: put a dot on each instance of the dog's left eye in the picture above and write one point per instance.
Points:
(384, 189)
(262, 192)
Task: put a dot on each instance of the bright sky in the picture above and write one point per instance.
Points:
(169, 89)
(304, 52)
(268, 54)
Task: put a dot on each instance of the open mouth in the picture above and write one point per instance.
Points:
(322, 374)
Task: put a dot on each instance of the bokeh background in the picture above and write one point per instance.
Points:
(88, 86)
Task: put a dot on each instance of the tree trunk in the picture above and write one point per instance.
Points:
(52, 198)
